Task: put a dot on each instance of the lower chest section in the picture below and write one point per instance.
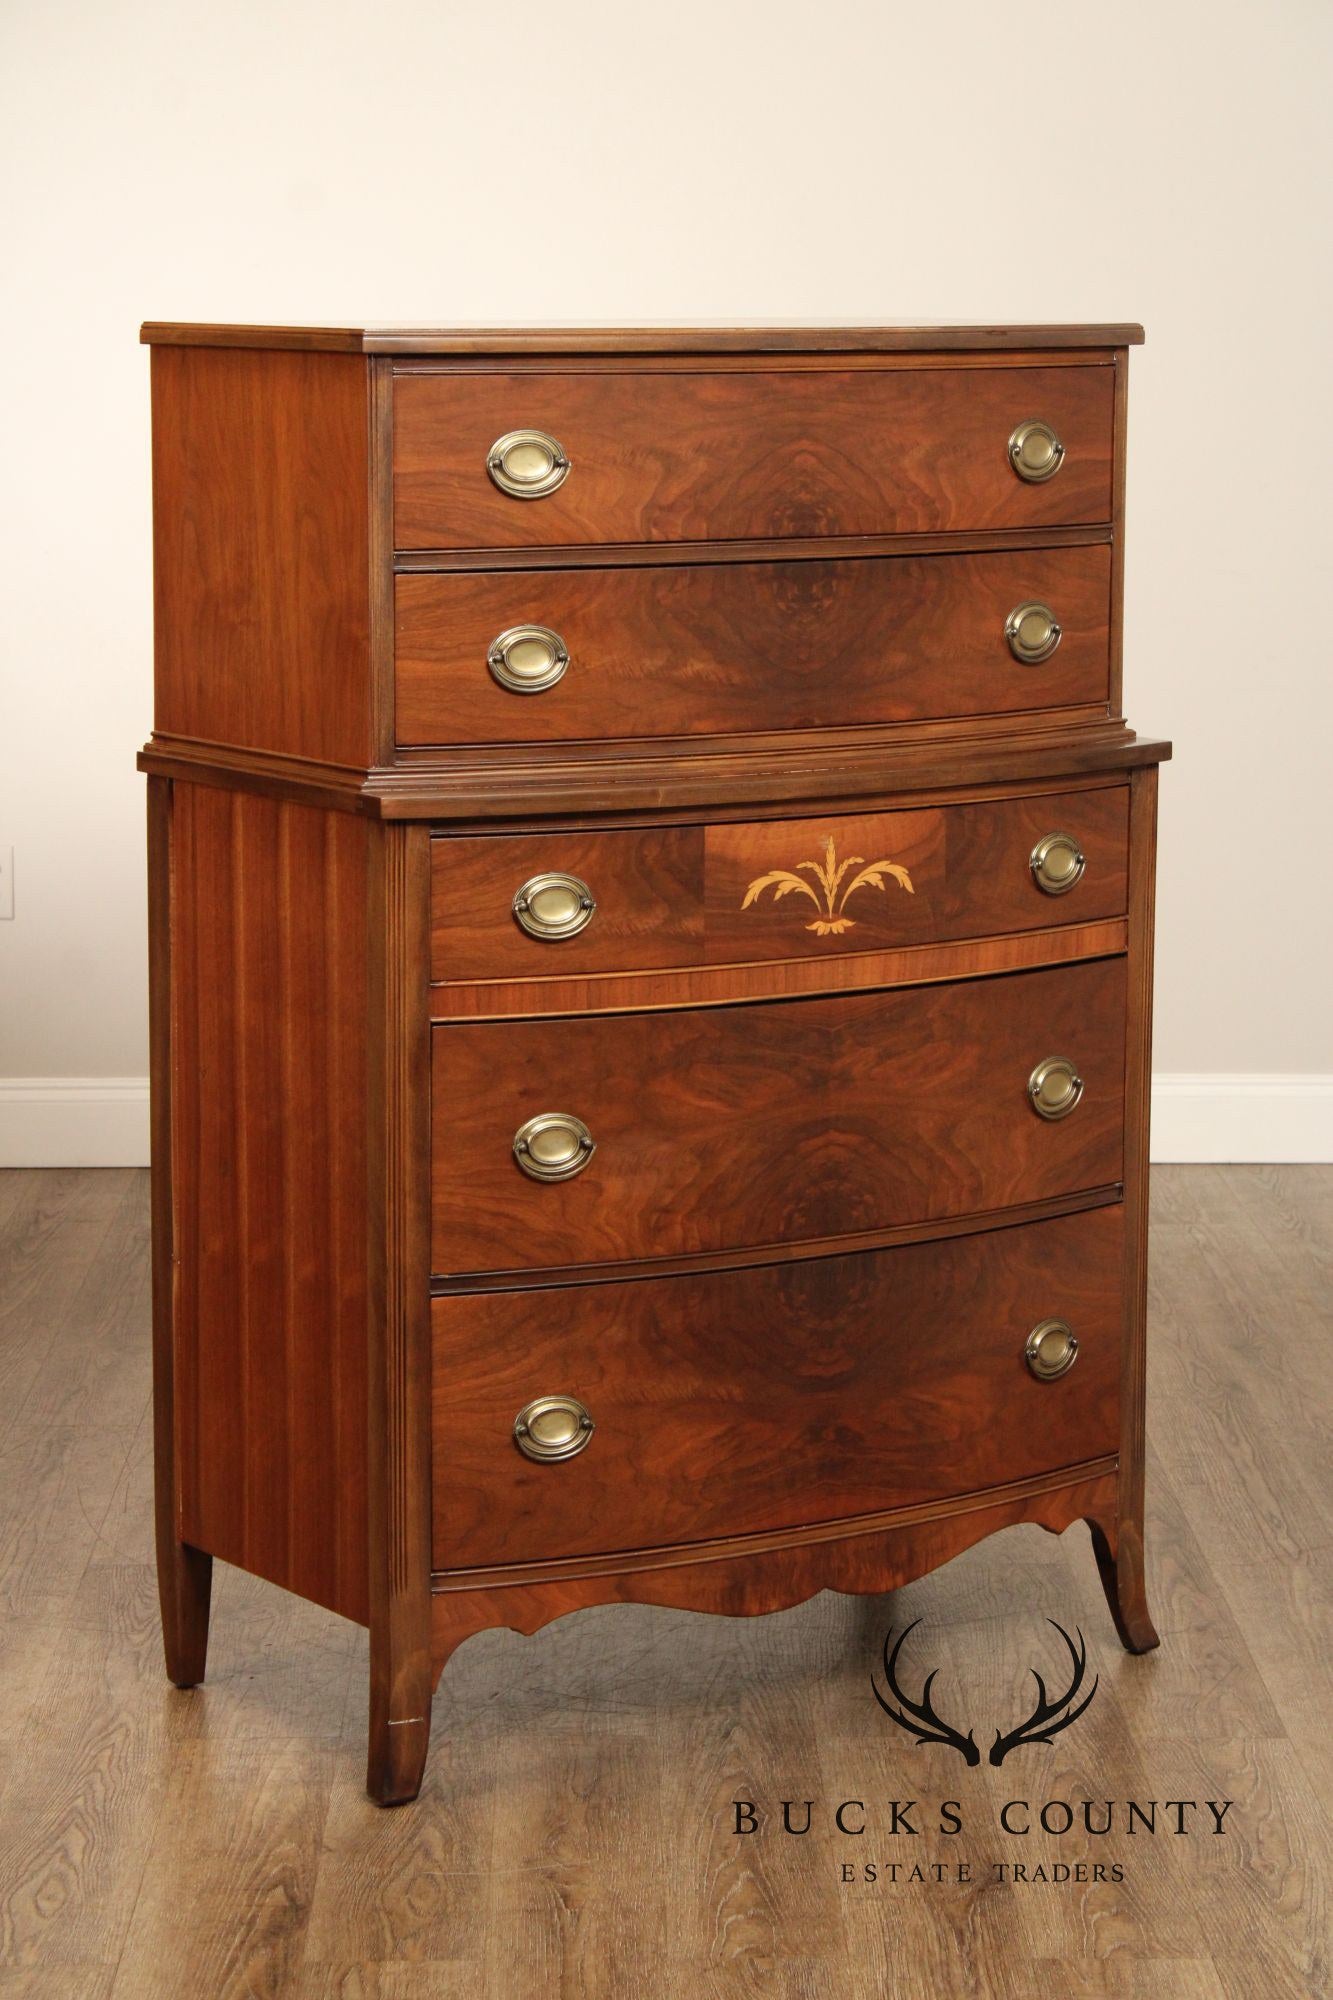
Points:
(739, 1231)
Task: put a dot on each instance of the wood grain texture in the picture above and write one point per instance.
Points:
(667, 651)
(666, 338)
(678, 896)
(1120, 1553)
(724, 985)
(67, 1369)
(796, 1544)
(1015, 1215)
(808, 548)
(876, 1555)
(268, 1075)
(379, 558)
(399, 1424)
(856, 772)
(1120, 476)
(245, 1867)
(649, 893)
(743, 778)
(732, 1402)
(680, 457)
(261, 552)
(784, 1121)
(184, 1573)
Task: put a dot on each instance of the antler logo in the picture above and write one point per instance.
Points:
(1048, 1718)
(920, 1720)
(832, 898)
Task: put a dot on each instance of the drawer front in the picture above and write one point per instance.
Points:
(735, 1402)
(713, 648)
(747, 891)
(718, 1128)
(674, 457)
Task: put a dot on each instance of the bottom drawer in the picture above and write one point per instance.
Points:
(731, 1402)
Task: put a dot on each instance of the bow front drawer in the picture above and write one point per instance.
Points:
(566, 1142)
(562, 655)
(737, 1402)
(550, 905)
(499, 460)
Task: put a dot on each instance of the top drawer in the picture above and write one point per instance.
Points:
(738, 455)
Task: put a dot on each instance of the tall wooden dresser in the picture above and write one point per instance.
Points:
(651, 902)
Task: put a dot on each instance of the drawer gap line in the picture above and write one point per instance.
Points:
(680, 1554)
(752, 1257)
(847, 548)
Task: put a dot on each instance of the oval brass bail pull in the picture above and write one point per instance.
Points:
(1054, 1087)
(527, 659)
(552, 1427)
(1057, 863)
(527, 464)
(1032, 632)
(1035, 451)
(553, 1146)
(1051, 1349)
(554, 906)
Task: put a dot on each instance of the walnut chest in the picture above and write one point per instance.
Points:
(651, 900)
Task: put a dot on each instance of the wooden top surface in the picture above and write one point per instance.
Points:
(662, 339)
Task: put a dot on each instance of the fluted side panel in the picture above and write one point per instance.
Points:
(269, 1144)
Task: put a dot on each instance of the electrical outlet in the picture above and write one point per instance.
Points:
(6, 882)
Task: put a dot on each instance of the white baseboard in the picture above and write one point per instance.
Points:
(1232, 1116)
(102, 1121)
(73, 1121)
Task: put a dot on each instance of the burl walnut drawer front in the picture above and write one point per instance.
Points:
(566, 1141)
(735, 1402)
(678, 650)
(530, 906)
(643, 457)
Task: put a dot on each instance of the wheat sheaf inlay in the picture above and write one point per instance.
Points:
(834, 891)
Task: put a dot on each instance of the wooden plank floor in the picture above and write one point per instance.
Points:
(574, 1836)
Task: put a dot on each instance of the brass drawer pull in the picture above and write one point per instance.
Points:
(552, 1427)
(527, 659)
(1054, 1087)
(1035, 451)
(1057, 863)
(553, 1146)
(527, 464)
(554, 906)
(1033, 632)
(1051, 1350)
